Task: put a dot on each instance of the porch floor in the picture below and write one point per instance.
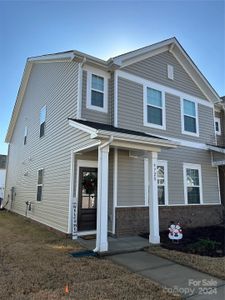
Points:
(118, 245)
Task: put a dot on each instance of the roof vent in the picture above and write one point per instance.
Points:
(170, 72)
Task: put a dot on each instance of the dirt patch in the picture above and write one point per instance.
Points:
(35, 264)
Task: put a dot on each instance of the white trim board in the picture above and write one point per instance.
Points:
(164, 88)
(196, 167)
(106, 76)
(164, 163)
(83, 163)
(115, 188)
(185, 143)
(183, 131)
(116, 98)
(145, 105)
(79, 91)
(83, 233)
(218, 120)
(169, 205)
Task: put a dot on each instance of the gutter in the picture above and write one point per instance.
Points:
(99, 189)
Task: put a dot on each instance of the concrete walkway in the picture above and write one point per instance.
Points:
(118, 245)
(173, 277)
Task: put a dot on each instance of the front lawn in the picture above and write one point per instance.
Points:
(35, 264)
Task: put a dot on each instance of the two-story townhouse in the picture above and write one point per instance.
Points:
(114, 147)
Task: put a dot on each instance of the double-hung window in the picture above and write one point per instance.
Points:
(190, 117)
(155, 108)
(42, 121)
(162, 183)
(97, 90)
(192, 184)
(40, 184)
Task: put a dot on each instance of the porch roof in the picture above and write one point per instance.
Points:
(103, 131)
(216, 148)
(219, 150)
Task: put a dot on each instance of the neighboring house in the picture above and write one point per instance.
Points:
(2, 175)
(114, 142)
(218, 157)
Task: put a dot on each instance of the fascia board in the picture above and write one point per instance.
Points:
(196, 75)
(83, 127)
(19, 99)
(136, 139)
(216, 149)
(140, 52)
(52, 57)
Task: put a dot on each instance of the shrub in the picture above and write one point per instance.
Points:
(204, 247)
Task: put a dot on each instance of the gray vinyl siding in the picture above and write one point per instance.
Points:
(130, 180)
(53, 85)
(155, 69)
(91, 114)
(130, 105)
(131, 176)
(176, 158)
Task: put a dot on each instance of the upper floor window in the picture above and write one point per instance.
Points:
(40, 184)
(97, 90)
(217, 126)
(25, 136)
(162, 183)
(42, 120)
(190, 118)
(192, 184)
(155, 109)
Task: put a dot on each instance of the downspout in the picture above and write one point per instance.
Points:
(99, 179)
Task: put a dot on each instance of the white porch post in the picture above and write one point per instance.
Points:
(102, 202)
(154, 237)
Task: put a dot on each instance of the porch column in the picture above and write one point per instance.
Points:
(102, 202)
(154, 237)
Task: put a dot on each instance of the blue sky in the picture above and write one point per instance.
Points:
(105, 29)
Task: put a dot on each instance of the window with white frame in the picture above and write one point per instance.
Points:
(190, 114)
(40, 184)
(217, 126)
(42, 121)
(162, 183)
(155, 108)
(25, 136)
(97, 89)
(192, 184)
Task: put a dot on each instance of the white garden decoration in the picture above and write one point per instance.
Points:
(175, 232)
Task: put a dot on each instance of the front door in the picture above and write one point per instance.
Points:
(87, 206)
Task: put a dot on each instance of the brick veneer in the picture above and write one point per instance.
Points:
(135, 220)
